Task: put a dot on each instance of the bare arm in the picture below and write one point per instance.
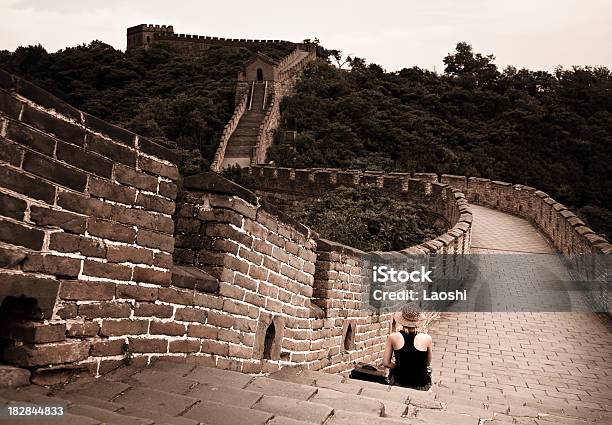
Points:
(429, 351)
(387, 357)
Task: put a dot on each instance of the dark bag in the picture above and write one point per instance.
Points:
(367, 372)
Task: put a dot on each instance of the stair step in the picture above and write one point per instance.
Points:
(295, 409)
(154, 400)
(346, 417)
(238, 151)
(226, 395)
(272, 387)
(219, 414)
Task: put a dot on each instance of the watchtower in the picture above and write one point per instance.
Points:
(143, 35)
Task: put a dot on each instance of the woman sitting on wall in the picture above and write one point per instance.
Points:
(408, 353)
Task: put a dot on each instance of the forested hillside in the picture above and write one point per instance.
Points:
(182, 102)
(551, 131)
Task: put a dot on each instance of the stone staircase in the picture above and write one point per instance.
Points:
(240, 146)
(168, 392)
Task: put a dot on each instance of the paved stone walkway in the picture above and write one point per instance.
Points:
(560, 361)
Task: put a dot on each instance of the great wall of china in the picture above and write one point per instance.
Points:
(106, 261)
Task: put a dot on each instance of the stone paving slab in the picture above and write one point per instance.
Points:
(272, 387)
(106, 416)
(210, 375)
(168, 381)
(355, 403)
(159, 401)
(226, 395)
(344, 417)
(294, 409)
(211, 413)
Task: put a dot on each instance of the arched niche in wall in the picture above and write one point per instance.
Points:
(349, 330)
(268, 337)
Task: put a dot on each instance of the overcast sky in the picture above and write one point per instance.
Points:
(537, 34)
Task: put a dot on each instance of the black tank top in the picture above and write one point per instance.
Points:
(410, 364)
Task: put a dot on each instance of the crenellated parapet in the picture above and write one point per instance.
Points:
(144, 35)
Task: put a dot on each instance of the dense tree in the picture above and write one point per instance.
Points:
(550, 131)
(182, 102)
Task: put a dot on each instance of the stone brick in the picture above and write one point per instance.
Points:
(55, 171)
(114, 151)
(10, 152)
(118, 134)
(184, 346)
(153, 310)
(130, 177)
(13, 377)
(216, 318)
(12, 207)
(49, 124)
(84, 159)
(52, 264)
(11, 257)
(64, 242)
(155, 240)
(111, 230)
(124, 327)
(122, 253)
(158, 168)
(168, 189)
(27, 185)
(215, 347)
(18, 234)
(188, 314)
(45, 354)
(105, 347)
(67, 310)
(194, 278)
(84, 205)
(33, 139)
(176, 296)
(245, 282)
(109, 190)
(150, 275)
(80, 290)
(82, 329)
(155, 203)
(167, 328)
(105, 309)
(34, 332)
(161, 259)
(9, 105)
(70, 222)
(202, 331)
(136, 292)
(148, 345)
(107, 270)
(209, 301)
(141, 218)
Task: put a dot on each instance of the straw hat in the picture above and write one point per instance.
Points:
(407, 318)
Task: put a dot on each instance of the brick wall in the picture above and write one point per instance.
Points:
(86, 233)
(272, 270)
(186, 43)
(287, 185)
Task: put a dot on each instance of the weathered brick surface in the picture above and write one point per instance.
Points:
(73, 191)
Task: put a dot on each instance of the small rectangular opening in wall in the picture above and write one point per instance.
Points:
(348, 336)
(269, 341)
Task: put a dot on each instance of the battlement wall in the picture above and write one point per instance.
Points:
(86, 233)
(144, 35)
(273, 273)
(285, 185)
